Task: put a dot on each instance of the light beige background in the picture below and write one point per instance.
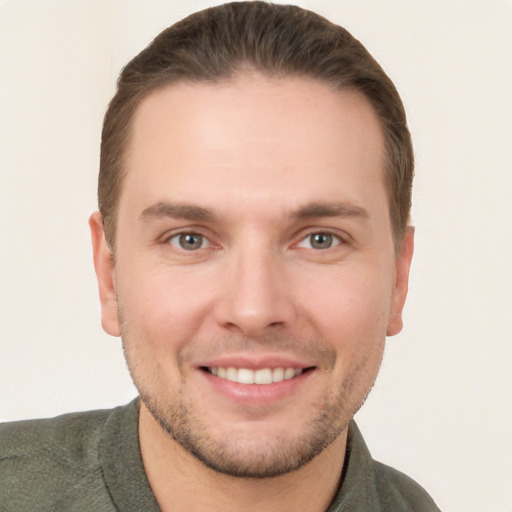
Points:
(441, 410)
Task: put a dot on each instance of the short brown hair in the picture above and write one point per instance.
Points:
(278, 40)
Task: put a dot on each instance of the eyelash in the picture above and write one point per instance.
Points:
(177, 236)
(336, 239)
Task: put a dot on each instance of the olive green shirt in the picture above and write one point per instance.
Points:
(91, 462)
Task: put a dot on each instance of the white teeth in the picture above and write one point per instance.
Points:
(245, 376)
(231, 374)
(278, 374)
(289, 373)
(261, 376)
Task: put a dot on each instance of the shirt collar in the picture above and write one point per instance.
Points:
(127, 483)
(121, 461)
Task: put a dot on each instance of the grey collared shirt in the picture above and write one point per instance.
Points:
(91, 462)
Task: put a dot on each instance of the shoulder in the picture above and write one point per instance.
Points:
(371, 485)
(64, 441)
(395, 487)
(42, 459)
(22, 438)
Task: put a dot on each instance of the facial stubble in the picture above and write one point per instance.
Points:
(237, 453)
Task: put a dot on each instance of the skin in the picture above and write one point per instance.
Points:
(252, 168)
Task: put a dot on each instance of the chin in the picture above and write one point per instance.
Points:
(245, 451)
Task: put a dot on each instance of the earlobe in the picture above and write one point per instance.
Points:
(105, 271)
(403, 265)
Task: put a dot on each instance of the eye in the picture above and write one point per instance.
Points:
(319, 241)
(188, 241)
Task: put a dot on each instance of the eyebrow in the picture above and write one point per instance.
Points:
(176, 211)
(325, 209)
(197, 213)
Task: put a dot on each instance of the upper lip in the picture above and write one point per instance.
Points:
(255, 362)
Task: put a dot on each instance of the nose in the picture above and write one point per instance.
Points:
(256, 296)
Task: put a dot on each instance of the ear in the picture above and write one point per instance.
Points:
(403, 265)
(105, 273)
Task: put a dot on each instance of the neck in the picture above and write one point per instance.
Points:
(182, 483)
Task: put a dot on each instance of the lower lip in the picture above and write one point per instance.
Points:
(257, 394)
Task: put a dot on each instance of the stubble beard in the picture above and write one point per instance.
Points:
(237, 454)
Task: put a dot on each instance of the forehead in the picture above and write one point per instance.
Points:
(254, 136)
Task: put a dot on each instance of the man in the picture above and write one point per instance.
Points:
(252, 250)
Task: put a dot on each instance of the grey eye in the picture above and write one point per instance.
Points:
(319, 241)
(188, 241)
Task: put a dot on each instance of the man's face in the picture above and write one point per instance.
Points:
(254, 244)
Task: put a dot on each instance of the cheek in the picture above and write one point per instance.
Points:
(349, 307)
(163, 302)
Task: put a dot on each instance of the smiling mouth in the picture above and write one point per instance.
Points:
(261, 376)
